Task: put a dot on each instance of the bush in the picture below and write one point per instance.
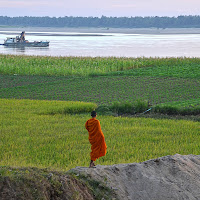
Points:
(122, 108)
(169, 110)
(175, 110)
(141, 106)
(138, 106)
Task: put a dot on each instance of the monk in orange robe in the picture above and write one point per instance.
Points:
(96, 138)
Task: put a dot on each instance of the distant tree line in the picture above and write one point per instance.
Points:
(109, 22)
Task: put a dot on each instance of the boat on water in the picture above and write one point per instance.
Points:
(20, 41)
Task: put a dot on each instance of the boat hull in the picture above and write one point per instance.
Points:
(27, 44)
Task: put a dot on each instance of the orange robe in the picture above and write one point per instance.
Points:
(96, 138)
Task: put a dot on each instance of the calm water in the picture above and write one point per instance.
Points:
(124, 45)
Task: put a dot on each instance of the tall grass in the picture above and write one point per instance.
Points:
(29, 138)
(49, 107)
(83, 66)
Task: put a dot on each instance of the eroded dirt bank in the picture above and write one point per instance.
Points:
(170, 177)
(33, 183)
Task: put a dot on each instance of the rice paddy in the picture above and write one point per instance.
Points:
(60, 141)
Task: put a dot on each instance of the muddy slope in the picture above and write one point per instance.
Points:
(170, 177)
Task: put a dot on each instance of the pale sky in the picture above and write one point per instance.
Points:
(97, 8)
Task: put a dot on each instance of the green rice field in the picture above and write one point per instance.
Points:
(45, 102)
(60, 141)
(101, 90)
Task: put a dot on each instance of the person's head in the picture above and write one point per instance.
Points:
(93, 114)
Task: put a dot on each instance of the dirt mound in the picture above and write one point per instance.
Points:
(169, 177)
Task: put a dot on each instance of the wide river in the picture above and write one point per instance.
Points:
(107, 44)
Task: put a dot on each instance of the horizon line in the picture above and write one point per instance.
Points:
(105, 16)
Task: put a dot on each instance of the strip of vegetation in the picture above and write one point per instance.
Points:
(189, 107)
(103, 21)
(88, 66)
(63, 107)
(46, 107)
(120, 108)
(143, 107)
(174, 110)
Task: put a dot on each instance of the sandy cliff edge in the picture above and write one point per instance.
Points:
(169, 177)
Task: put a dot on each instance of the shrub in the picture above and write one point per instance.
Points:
(141, 106)
(169, 110)
(175, 110)
(138, 106)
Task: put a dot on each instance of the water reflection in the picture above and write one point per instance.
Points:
(23, 50)
(119, 45)
(15, 48)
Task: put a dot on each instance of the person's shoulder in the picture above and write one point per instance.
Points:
(94, 120)
(90, 120)
(97, 121)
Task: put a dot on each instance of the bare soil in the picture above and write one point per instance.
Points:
(169, 177)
